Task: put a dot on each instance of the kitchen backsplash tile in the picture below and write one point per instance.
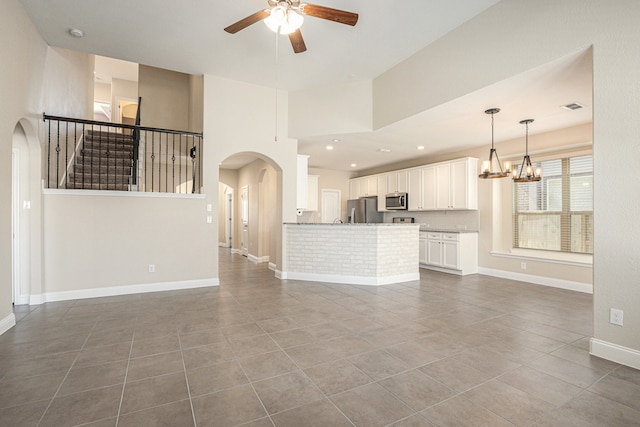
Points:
(467, 220)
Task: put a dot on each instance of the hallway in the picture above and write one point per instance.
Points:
(258, 351)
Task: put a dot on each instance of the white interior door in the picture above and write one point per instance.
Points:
(330, 205)
(244, 217)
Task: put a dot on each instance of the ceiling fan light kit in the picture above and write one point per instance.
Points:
(283, 21)
(286, 17)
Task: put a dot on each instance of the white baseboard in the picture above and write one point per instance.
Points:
(538, 280)
(236, 251)
(223, 244)
(258, 259)
(7, 323)
(350, 280)
(22, 300)
(36, 299)
(616, 353)
(129, 289)
(272, 266)
(281, 274)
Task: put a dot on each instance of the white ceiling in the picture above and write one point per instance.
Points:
(188, 36)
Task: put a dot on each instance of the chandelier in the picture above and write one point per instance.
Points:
(490, 168)
(527, 172)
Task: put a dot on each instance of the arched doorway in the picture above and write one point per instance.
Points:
(258, 178)
(25, 216)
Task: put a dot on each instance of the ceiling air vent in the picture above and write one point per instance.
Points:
(573, 106)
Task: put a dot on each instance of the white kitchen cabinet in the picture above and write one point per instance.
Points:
(369, 186)
(302, 191)
(455, 253)
(457, 184)
(397, 181)
(382, 192)
(422, 248)
(421, 188)
(363, 187)
(354, 188)
(312, 194)
(414, 189)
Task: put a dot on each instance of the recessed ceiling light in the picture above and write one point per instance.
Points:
(420, 147)
(353, 165)
(335, 140)
(384, 150)
(329, 147)
(573, 106)
(75, 32)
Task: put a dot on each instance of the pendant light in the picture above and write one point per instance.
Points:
(489, 169)
(527, 173)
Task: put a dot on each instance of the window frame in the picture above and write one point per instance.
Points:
(565, 213)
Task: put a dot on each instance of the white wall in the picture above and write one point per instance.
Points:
(327, 110)
(165, 98)
(21, 88)
(121, 89)
(67, 89)
(102, 241)
(102, 92)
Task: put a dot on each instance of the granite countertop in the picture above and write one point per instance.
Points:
(446, 229)
(368, 224)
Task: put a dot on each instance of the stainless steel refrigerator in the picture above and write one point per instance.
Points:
(363, 210)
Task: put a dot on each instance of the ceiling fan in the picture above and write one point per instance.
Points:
(285, 17)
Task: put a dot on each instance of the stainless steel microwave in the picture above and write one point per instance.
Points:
(396, 201)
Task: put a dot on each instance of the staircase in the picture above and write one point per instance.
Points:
(103, 161)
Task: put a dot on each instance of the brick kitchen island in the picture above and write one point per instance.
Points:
(358, 254)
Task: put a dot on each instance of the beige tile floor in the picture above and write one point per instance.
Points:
(257, 351)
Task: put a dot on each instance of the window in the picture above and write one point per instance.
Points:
(556, 213)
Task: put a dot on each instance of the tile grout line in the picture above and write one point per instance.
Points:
(68, 371)
(186, 378)
(126, 373)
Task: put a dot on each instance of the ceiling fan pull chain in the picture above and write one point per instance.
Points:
(277, 84)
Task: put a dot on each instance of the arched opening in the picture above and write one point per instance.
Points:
(25, 216)
(248, 199)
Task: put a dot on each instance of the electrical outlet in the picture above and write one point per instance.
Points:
(523, 266)
(616, 316)
(152, 268)
(209, 219)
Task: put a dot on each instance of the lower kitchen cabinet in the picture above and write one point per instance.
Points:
(455, 253)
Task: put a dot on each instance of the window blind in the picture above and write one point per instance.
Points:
(556, 213)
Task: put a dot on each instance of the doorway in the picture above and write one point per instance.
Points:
(229, 218)
(331, 205)
(20, 217)
(244, 219)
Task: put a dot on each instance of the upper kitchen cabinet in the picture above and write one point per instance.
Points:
(312, 192)
(363, 187)
(397, 181)
(457, 184)
(382, 192)
(422, 188)
(302, 189)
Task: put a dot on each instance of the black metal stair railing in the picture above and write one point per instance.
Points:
(93, 155)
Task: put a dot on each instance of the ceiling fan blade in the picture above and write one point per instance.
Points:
(335, 15)
(297, 42)
(249, 20)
